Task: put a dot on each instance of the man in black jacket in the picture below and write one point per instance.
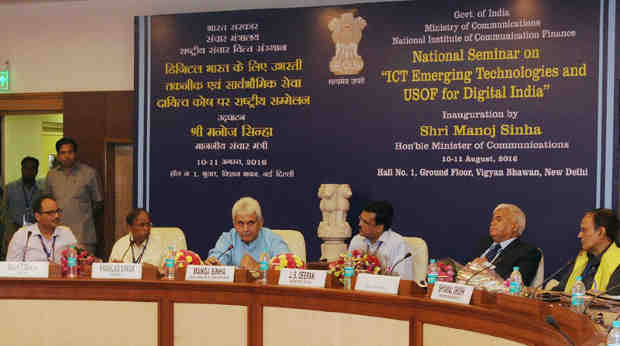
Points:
(504, 248)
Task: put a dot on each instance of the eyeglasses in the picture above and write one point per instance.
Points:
(52, 212)
(366, 222)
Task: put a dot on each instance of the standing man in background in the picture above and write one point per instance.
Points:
(77, 188)
(20, 194)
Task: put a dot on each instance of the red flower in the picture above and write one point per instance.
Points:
(81, 254)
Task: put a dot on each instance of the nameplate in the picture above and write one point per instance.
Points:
(24, 269)
(303, 277)
(452, 292)
(129, 271)
(377, 283)
(210, 273)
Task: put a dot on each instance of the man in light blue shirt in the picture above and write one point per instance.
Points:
(243, 245)
(44, 240)
(376, 237)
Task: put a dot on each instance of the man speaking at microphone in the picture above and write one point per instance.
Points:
(598, 262)
(504, 247)
(243, 245)
(377, 237)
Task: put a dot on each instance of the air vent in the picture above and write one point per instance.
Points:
(52, 126)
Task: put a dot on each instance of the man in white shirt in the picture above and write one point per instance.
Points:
(377, 237)
(139, 245)
(44, 240)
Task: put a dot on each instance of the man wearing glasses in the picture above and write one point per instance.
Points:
(44, 240)
(377, 238)
(139, 245)
(243, 245)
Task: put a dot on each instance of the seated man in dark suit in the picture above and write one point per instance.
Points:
(504, 248)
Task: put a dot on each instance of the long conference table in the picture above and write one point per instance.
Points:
(182, 313)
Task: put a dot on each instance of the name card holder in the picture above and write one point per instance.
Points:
(377, 283)
(127, 271)
(210, 273)
(452, 292)
(302, 277)
(24, 269)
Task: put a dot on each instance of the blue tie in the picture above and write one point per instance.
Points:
(493, 252)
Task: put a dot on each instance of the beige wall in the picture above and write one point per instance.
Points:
(23, 137)
(89, 45)
(42, 322)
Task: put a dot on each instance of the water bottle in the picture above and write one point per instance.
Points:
(577, 296)
(170, 263)
(433, 272)
(348, 271)
(613, 339)
(72, 262)
(264, 265)
(516, 282)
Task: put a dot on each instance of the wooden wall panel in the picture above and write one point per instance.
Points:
(92, 118)
(84, 120)
(31, 102)
(120, 115)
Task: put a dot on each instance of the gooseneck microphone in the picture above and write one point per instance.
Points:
(26, 247)
(549, 319)
(223, 253)
(533, 292)
(131, 242)
(398, 262)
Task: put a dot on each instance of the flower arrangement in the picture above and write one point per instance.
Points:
(83, 257)
(286, 260)
(362, 263)
(187, 257)
(478, 273)
(446, 271)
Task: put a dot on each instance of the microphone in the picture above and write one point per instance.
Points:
(398, 262)
(549, 319)
(533, 292)
(131, 242)
(26, 246)
(598, 295)
(223, 253)
(497, 259)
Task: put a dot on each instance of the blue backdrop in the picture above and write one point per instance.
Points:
(521, 90)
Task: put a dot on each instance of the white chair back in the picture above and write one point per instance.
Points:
(295, 241)
(540, 273)
(419, 250)
(170, 236)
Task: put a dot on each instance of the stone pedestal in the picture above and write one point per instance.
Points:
(334, 229)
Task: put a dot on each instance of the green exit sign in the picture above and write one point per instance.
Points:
(4, 80)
